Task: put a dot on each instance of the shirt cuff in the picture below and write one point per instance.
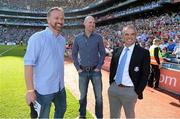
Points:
(29, 62)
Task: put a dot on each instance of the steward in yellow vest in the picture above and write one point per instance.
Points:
(156, 61)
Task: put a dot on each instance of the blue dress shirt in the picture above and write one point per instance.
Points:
(45, 52)
(91, 51)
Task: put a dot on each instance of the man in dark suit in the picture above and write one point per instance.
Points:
(129, 71)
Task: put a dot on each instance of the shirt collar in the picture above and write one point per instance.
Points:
(51, 32)
(131, 47)
(90, 35)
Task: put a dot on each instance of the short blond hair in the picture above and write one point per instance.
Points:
(54, 8)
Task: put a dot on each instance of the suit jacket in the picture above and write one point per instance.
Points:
(139, 68)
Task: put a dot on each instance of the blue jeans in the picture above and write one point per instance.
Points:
(96, 80)
(59, 100)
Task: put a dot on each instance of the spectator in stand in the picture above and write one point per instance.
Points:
(89, 45)
(165, 38)
(176, 51)
(170, 46)
(162, 44)
(42, 6)
(108, 49)
(142, 44)
(165, 55)
(177, 37)
(44, 66)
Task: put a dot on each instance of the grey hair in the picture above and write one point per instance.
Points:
(129, 27)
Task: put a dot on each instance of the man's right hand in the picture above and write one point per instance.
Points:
(30, 97)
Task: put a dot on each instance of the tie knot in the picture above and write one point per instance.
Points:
(126, 49)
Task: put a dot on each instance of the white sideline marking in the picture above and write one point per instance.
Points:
(8, 50)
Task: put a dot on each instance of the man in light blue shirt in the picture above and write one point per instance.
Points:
(44, 66)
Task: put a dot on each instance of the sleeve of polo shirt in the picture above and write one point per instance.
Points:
(75, 49)
(33, 50)
(102, 53)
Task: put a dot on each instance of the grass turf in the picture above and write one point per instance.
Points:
(12, 87)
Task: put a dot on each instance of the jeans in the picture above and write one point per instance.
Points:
(96, 80)
(59, 100)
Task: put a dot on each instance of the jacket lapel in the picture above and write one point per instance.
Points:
(119, 51)
(133, 57)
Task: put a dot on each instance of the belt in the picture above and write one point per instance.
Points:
(87, 68)
(121, 85)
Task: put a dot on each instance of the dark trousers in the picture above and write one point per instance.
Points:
(154, 77)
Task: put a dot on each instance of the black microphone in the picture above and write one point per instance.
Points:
(33, 113)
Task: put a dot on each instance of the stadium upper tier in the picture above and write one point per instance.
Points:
(83, 7)
(44, 5)
(115, 11)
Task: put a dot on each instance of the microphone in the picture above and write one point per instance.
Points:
(33, 113)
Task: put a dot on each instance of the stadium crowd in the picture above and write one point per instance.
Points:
(164, 27)
(41, 5)
(23, 21)
(15, 34)
(129, 10)
(79, 21)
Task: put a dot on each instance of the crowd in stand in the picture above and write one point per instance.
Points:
(77, 21)
(129, 10)
(40, 22)
(15, 34)
(165, 28)
(43, 5)
(23, 21)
